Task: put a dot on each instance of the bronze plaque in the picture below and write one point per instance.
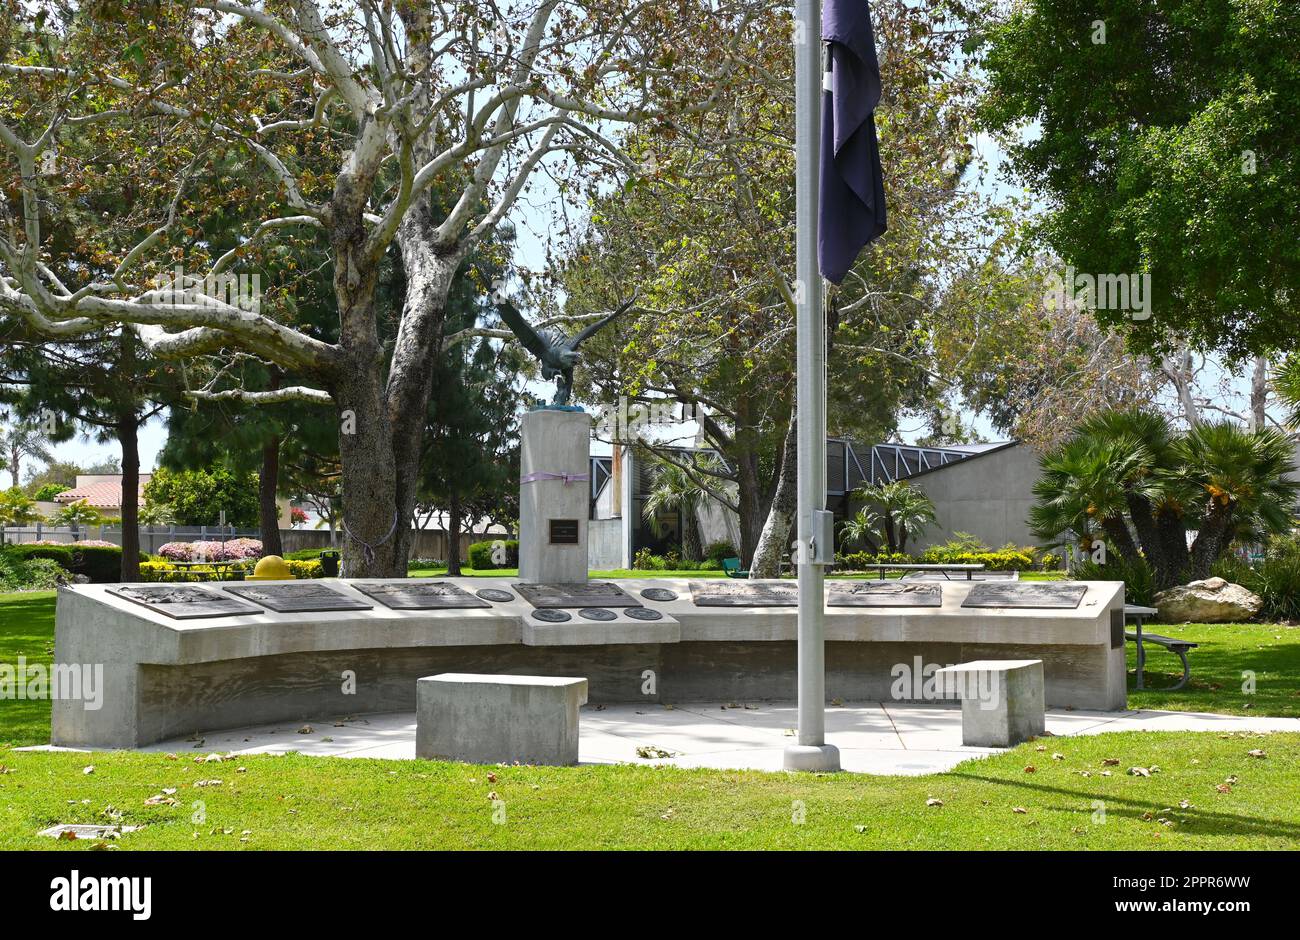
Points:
(419, 595)
(297, 597)
(551, 615)
(576, 594)
(722, 593)
(564, 531)
(883, 594)
(643, 613)
(1019, 595)
(659, 594)
(184, 601)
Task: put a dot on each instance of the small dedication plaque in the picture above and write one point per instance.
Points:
(643, 613)
(597, 613)
(883, 594)
(298, 597)
(419, 595)
(576, 594)
(552, 615)
(185, 602)
(744, 594)
(1028, 596)
(564, 531)
(659, 594)
(495, 594)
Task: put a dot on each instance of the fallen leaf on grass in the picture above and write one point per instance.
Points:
(1020, 810)
(1139, 772)
(1223, 788)
(1058, 757)
(88, 770)
(933, 802)
(1031, 769)
(1110, 762)
(1256, 753)
(650, 752)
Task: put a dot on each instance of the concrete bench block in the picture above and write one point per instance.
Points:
(490, 719)
(1001, 700)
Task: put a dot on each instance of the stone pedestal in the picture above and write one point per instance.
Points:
(554, 488)
(493, 719)
(1001, 701)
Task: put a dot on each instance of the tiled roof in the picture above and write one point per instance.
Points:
(103, 495)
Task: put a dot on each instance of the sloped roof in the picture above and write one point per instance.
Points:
(106, 494)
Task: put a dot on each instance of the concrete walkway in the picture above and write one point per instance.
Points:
(875, 737)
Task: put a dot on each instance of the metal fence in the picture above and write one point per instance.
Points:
(425, 543)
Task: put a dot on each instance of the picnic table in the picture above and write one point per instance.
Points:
(945, 570)
(1138, 615)
(219, 568)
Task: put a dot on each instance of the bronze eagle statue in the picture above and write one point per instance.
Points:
(555, 350)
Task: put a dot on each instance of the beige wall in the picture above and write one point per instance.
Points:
(988, 496)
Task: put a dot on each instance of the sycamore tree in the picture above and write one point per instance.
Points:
(350, 112)
(705, 234)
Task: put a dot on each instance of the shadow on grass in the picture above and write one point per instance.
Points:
(1191, 821)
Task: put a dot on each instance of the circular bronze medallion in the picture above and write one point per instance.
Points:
(643, 613)
(495, 594)
(551, 615)
(597, 613)
(658, 594)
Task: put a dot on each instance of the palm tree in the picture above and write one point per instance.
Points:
(1241, 486)
(675, 490)
(22, 439)
(1286, 385)
(1081, 494)
(1124, 472)
(902, 511)
(862, 528)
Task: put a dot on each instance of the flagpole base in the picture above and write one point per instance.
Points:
(820, 758)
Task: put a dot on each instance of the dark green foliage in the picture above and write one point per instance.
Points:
(480, 555)
(716, 551)
(1275, 577)
(1170, 147)
(102, 564)
(1138, 578)
(197, 497)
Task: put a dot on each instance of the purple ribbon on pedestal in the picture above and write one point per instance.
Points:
(544, 475)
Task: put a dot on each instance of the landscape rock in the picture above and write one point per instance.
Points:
(1212, 600)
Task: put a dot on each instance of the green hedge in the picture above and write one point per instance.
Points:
(480, 555)
(101, 564)
(1005, 559)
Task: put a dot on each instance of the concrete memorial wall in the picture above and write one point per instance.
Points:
(192, 658)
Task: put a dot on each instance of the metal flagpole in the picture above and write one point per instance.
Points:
(815, 547)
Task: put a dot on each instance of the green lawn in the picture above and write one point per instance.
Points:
(26, 629)
(1227, 650)
(297, 802)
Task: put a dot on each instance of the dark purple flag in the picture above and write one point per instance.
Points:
(851, 211)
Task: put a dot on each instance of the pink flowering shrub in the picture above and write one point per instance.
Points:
(233, 550)
(84, 543)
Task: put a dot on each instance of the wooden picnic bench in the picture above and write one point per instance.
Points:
(1138, 614)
